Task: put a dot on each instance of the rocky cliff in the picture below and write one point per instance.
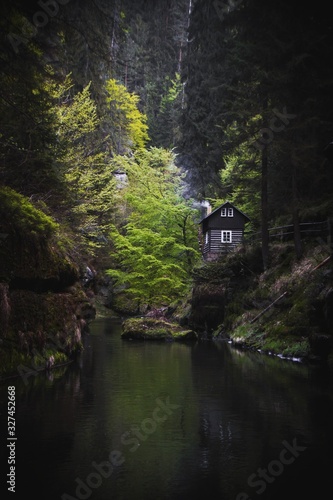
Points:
(43, 306)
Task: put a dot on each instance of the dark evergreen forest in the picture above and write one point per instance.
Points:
(119, 117)
(233, 88)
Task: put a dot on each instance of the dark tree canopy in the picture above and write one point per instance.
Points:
(240, 91)
(259, 52)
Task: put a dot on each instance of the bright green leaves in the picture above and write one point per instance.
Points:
(148, 266)
(84, 152)
(130, 127)
(85, 163)
(157, 247)
(20, 216)
(77, 117)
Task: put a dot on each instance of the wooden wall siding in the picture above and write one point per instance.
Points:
(216, 221)
(215, 244)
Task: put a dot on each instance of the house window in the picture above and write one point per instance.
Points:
(223, 212)
(226, 236)
(230, 212)
(206, 238)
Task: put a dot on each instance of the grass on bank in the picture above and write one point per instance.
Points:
(294, 325)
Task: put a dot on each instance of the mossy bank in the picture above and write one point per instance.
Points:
(286, 310)
(43, 307)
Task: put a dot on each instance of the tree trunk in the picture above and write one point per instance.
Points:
(297, 230)
(264, 209)
(264, 195)
(188, 253)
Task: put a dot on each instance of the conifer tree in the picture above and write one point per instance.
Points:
(252, 86)
(27, 131)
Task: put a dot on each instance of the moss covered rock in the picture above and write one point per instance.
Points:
(43, 307)
(155, 329)
(30, 254)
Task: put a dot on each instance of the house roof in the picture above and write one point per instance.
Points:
(223, 205)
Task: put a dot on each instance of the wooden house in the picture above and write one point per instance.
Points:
(222, 230)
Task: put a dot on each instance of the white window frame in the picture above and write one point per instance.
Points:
(230, 212)
(206, 238)
(226, 236)
(223, 212)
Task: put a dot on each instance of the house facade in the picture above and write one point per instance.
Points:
(222, 230)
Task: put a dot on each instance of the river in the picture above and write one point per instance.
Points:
(170, 421)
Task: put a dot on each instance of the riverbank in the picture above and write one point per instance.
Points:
(286, 310)
(44, 307)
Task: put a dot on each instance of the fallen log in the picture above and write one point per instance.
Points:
(268, 307)
(321, 263)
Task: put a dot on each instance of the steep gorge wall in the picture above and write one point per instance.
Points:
(43, 306)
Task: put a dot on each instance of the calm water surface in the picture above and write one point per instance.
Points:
(170, 421)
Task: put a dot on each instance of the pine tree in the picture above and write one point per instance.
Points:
(150, 59)
(253, 72)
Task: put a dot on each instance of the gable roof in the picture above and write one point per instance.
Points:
(227, 203)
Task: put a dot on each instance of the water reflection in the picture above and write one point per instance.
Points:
(181, 419)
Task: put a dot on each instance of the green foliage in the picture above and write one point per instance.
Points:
(240, 180)
(129, 124)
(154, 197)
(85, 163)
(27, 119)
(77, 116)
(258, 80)
(148, 265)
(19, 215)
(166, 130)
(155, 329)
(157, 246)
(150, 61)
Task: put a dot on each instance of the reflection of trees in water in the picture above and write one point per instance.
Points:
(248, 404)
(235, 409)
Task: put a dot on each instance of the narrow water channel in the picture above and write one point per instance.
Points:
(170, 421)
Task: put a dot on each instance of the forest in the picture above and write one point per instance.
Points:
(119, 118)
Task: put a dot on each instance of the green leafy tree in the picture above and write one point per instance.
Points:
(128, 124)
(148, 266)
(157, 245)
(85, 164)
